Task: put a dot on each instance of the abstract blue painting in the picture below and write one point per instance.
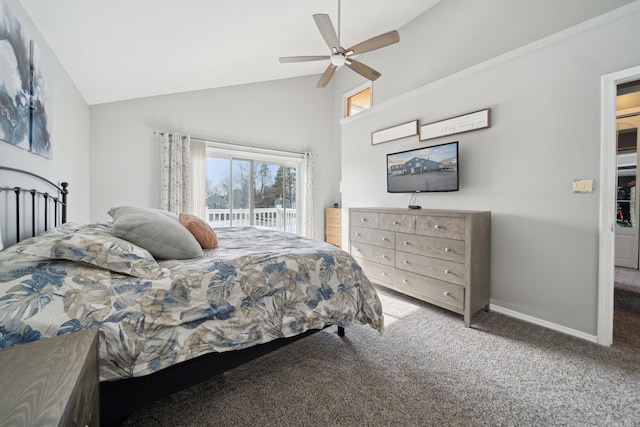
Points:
(15, 91)
(25, 88)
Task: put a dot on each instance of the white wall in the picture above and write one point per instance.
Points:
(287, 115)
(545, 131)
(70, 133)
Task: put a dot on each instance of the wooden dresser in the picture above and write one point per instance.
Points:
(441, 257)
(333, 226)
(51, 382)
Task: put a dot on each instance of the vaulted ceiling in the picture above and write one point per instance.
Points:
(123, 49)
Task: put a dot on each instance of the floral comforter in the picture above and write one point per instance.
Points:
(258, 286)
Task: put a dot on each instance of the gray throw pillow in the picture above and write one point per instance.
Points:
(157, 231)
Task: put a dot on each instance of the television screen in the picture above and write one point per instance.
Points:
(423, 170)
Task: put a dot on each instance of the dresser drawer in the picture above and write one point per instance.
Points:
(439, 226)
(395, 222)
(334, 240)
(435, 247)
(425, 288)
(441, 269)
(364, 219)
(333, 222)
(334, 231)
(377, 254)
(334, 213)
(385, 239)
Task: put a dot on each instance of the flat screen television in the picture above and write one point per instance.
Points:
(423, 170)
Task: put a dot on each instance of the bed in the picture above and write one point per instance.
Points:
(166, 324)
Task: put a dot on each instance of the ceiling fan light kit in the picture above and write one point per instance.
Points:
(338, 59)
(340, 56)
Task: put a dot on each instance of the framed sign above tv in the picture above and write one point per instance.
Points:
(395, 132)
(459, 124)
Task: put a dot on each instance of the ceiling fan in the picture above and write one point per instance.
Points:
(341, 56)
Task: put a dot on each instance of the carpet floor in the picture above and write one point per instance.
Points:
(427, 369)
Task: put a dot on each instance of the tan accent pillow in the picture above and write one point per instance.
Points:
(203, 233)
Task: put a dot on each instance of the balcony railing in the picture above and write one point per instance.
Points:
(268, 218)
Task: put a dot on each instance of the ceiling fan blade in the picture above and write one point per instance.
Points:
(285, 59)
(374, 43)
(326, 76)
(363, 70)
(327, 30)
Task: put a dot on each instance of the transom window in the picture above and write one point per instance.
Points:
(357, 100)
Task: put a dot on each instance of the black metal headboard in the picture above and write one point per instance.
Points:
(43, 205)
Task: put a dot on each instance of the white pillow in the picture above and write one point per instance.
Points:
(157, 231)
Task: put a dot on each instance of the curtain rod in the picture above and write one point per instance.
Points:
(234, 146)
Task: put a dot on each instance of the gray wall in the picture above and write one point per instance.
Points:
(545, 131)
(70, 134)
(287, 115)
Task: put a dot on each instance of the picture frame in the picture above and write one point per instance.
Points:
(480, 119)
(395, 132)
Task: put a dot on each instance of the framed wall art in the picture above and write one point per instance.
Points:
(25, 88)
(395, 132)
(459, 124)
(15, 76)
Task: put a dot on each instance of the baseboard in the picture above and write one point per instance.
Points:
(544, 323)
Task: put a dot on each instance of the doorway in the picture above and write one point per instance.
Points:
(626, 239)
(608, 199)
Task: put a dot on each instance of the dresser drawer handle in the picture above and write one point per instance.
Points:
(363, 219)
(446, 294)
(447, 250)
(406, 243)
(405, 281)
(358, 234)
(406, 261)
(395, 223)
(436, 226)
(384, 239)
(384, 256)
(384, 273)
(447, 272)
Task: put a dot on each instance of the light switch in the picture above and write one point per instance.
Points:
(582, 186)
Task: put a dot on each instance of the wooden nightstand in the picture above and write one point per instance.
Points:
(51, 382)
(333, 226)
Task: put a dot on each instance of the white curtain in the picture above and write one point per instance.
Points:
(199, 185)
(176, 173)
(309, 195)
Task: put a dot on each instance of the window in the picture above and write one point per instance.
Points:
(357, 100)
(249, 188)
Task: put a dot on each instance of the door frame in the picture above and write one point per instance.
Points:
(608, 177)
